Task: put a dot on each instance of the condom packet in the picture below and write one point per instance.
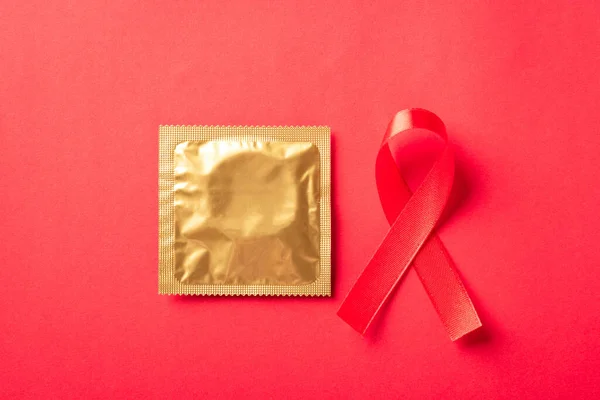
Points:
(244, 210)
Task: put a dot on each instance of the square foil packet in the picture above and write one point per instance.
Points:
(244, 210)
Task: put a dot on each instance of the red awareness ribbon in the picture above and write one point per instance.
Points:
(412, 218)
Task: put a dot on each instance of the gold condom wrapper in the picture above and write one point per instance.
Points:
(244, 210)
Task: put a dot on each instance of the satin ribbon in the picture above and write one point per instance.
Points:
(412, 218)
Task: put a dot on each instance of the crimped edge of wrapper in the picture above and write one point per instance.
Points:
(170, 136)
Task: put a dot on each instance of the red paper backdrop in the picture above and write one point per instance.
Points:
(84, 86)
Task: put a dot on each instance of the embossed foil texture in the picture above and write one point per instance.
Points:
(244, 210)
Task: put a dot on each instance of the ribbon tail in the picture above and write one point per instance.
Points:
(375, 283)
(445, 289)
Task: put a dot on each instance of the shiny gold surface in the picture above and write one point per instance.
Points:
(246, 212)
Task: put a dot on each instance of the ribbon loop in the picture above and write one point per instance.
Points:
(413, 217)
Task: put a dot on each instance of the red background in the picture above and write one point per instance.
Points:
(84, 86)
